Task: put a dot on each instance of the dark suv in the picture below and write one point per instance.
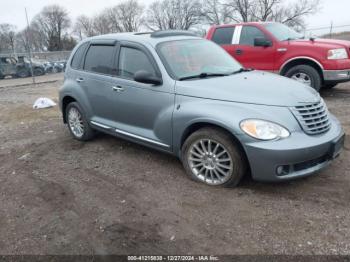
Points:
(10, 66)
(186, 96)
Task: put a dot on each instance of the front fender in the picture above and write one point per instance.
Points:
(227, 115)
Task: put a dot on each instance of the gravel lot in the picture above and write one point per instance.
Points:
(108, 196)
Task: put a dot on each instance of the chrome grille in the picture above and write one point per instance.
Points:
(313, 117)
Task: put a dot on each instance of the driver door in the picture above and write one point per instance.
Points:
(251, 56)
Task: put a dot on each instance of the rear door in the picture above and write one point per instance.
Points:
(250, 56)
(223, 36)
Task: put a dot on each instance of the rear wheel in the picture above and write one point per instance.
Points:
(210, 156)
(305, 74)
(77, 123)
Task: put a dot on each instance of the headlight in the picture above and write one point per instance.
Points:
(337, 54)
(263, 130)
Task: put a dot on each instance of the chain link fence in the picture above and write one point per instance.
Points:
(341, 32)
(43, 56)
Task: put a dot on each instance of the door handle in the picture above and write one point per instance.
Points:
(79, 80)
(118, 89)
(239, 51)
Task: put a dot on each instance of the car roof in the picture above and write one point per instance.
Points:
(244, 23)
(147, 37)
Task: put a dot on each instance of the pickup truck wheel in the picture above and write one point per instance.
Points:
(77, 123)
(210, 156)
(305, 74)
(22, 73)
(38, 72)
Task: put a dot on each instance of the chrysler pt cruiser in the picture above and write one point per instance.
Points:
(184, 95)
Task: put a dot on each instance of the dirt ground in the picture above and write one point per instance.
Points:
(108, 196)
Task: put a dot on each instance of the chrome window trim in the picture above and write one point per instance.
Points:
(130, 134)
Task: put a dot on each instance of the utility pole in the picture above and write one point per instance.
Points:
(331, 30)
(29, 47)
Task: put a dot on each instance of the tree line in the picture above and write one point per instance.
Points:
(54, 30)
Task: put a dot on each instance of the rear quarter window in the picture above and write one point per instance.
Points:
(223, 36)
(77, 60)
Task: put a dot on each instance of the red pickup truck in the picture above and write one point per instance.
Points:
(277, 48)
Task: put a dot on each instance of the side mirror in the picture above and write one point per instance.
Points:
(261, 41)
(147, 78)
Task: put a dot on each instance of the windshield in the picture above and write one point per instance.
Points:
(282, 32)
(196, 57)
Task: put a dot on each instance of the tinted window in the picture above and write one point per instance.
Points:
(78, 56)
(132, 60)
(249, 33)
(99, 59)
(223, 36)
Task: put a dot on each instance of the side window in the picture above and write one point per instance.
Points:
(223, 35)
(99, 59)
(132, 60)
(78, 57)
(249, 33)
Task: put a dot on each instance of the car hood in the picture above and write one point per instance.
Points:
(254, 87)
(321, 42)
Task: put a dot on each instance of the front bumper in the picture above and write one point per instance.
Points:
(297, 156)
(336, 75)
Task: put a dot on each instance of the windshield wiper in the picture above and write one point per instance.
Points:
(241, 70)
(202, 75)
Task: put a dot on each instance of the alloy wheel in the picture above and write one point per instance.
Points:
(210, 162)
(75, 122)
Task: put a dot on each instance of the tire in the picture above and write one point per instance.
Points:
(87, 132)
(329, 86)
(235, 168)
(311, 74)
(22, 73)
(38, 72)
(2, 77)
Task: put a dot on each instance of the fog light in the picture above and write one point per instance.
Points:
(282, 170)
(279, 170)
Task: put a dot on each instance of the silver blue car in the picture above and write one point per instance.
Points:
(186, 96)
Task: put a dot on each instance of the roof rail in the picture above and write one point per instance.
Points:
(167, 33)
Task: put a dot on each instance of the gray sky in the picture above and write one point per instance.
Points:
(12, 11)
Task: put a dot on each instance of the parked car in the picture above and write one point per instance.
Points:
(277, 48)
(10, 66)
(186, 96)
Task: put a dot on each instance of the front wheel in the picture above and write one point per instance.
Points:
(305, 74)
(77, 123)
(210, 156)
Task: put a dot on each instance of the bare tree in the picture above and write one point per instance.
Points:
(173, 14)
(292, 13)
(7, 37)
(84, 27)
(51, 23)
(129, 13)
(215, 12)
(101, 24)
